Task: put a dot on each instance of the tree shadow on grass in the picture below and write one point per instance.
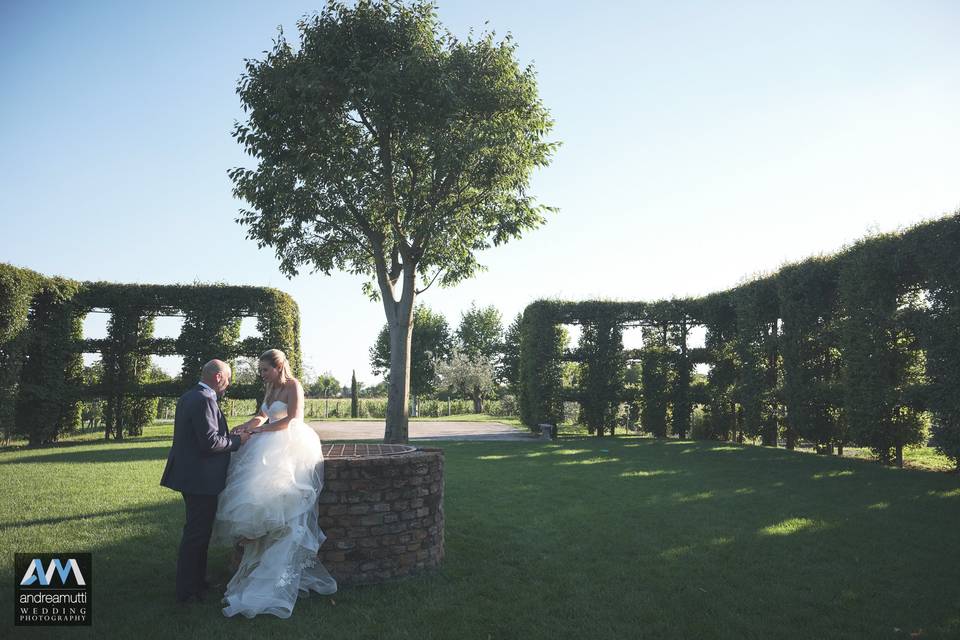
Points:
(98, 455)
(54, 446)
(718, 533)
(20, 524)
(133, 580)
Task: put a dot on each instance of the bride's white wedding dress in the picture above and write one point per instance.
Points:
(273, 483)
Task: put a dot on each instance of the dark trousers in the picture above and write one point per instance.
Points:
(192, 558)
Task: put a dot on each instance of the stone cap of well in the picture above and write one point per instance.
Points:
(354, 451)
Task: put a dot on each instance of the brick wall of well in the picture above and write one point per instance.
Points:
(383, 516)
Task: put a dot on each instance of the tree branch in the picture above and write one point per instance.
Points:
(396, 268)
(366, 122)
(419, 291)
(386, 287)
(348, 234)
(361, 221)
(411, 200)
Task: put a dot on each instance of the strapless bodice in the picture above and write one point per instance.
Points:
(276, 411)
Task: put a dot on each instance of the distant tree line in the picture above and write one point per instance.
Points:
(477, 360)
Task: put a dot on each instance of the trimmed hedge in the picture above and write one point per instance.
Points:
(851, 348)
(603, 369)
(18, 287)
(41, 346)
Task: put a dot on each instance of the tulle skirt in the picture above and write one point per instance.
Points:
(273, 484)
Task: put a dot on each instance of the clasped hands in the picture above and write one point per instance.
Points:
(245, 431)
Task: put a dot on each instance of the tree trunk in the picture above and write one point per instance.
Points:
(739, 424)
(770, 380)
(768, 435)
(399, 315)
(900, 456)
(398, 411)
(477, 401)
(118, 420)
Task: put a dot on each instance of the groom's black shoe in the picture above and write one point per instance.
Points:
(196, 597)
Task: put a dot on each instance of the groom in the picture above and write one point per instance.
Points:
(197, 468)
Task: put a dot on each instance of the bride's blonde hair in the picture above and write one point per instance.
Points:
(278, 360)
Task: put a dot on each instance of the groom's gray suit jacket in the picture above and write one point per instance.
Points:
(197, 463)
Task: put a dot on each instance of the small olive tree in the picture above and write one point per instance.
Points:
(471, 375)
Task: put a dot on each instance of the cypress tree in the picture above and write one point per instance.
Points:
(354, 400)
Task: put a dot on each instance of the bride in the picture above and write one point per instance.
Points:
(269, 505)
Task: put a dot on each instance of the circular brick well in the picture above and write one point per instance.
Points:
(381, 509)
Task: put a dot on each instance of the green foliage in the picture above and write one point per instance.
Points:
(325, 386)
(125, 366)
(386, 147)
(381, 389)
(480, 333)
(18, 287)
(809, 345)
(542, 345)
(756, 307)
(602, 377)
(721, 413)
(935, 251)
(382, 134)
(42, 381)
(681, 397)
(657, 379)
(847, 349)
(508, 367)
(877, 351)
(430, 341)
(471, 375)
(51, 367)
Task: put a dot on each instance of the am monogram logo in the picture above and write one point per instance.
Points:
(36, 573)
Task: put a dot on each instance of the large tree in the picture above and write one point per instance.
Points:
(389, 148)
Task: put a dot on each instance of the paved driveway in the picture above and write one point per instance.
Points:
(370, 430)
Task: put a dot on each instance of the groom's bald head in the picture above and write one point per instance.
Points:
(216, 375)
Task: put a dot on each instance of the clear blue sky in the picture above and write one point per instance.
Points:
(702, 142)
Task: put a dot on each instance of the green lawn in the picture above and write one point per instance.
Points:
(582, 538)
